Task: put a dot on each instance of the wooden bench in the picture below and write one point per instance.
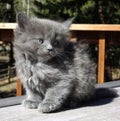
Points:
(100, 33)
(106, 109)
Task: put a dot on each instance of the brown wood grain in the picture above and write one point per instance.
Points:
(79, 27)
(101, 59)
(19, 88)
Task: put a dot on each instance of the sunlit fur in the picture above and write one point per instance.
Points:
(53, 70)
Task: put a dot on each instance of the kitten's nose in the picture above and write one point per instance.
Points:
(49, 48)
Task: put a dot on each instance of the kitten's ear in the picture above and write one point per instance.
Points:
(67, 23)
(22, 21)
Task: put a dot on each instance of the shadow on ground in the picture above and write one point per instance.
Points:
(88, 104)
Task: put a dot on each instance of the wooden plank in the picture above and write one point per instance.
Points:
(11, 101)
(8, 25)
(95, 27)
(19, 88)
(80, 27)
(101, 58)
(112, 84)
(102, 110)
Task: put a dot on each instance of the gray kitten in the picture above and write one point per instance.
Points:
(53, 70)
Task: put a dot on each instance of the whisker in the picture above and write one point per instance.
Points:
(63, 57)
(66, 52)
(60, 56)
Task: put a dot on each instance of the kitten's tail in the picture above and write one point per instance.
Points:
(101, 93)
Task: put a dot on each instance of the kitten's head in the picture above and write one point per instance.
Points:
(41, 38)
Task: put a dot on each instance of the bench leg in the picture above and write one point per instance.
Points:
(101, 59)
(19, 88)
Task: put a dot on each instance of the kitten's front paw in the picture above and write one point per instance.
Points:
(47, 107)
(30, 104)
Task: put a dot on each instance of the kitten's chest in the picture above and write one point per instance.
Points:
(43, 77)
(62, 66)
(45, 73)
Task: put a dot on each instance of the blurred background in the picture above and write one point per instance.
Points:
(84, 11)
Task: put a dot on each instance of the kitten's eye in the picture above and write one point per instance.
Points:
(56, 43)
(40, 40)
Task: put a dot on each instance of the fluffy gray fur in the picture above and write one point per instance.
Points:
(53, 70)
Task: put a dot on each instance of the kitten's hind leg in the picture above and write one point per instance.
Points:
(54, 98)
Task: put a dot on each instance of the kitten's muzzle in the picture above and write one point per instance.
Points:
(52, 52)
